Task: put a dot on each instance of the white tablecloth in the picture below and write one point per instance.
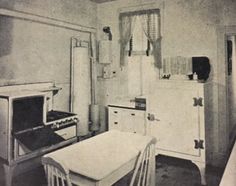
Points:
(98, 156)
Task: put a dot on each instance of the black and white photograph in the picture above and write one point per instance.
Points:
(117, 92)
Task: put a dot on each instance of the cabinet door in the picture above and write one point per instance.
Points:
(176, 123)
(127, 120)
(139, 122)
(133, 121)
(114, 118)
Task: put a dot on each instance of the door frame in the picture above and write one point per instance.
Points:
(222, 72)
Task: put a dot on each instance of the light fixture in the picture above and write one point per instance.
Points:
(107, 30)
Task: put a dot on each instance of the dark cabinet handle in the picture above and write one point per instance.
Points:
(198, 144)
(197, 101)
(115, 123)
(200, 102)
(151, 117)
(133, 114)
(115, 112)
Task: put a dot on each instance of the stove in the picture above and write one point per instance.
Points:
(60, 119)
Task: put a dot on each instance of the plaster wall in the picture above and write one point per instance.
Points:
(33, 52)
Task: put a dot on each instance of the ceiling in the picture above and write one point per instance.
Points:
(101, 1)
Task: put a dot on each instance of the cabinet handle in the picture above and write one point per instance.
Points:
(115, 123)
(200, 102)
(133, 114)
(151, 117)
(197, 102)
(198, 144)
(115, 112)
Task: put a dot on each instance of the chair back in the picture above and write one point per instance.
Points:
(144, 172)
(56, 174)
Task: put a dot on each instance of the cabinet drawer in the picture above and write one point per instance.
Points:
(114, 125)
(133, 113)
(114, 111)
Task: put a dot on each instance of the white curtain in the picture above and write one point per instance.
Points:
(127, 22)
(151, 24)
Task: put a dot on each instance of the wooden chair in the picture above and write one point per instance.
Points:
(56, 174)
(144, 172)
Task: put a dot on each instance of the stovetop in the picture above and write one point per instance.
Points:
(57, 115)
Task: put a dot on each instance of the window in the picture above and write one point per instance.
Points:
(145, 21)
(139, 40)
(140, 49)
(141, 68)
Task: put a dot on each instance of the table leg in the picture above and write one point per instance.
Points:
(8, 174)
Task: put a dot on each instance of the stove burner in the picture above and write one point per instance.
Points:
(57, 115)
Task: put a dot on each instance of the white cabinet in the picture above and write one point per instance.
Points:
(177, 119)
(126, 119)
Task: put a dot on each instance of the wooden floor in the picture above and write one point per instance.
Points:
(169, 171)
(177, 172)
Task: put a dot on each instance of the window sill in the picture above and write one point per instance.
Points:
(139, 53)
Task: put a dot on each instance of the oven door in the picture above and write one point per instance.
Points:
(33, 142)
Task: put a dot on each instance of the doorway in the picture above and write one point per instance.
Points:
(231, 83)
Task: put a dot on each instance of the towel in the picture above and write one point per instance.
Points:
(177, 65)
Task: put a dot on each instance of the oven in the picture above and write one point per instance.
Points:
(27, 130)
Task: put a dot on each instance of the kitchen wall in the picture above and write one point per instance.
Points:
(33, 52)
(189, 28)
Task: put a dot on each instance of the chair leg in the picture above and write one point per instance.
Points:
(153, 166)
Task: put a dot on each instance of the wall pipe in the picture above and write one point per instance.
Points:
(71, 95)
(46, 20)
(93, 69)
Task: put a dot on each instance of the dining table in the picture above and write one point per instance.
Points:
(103, 159)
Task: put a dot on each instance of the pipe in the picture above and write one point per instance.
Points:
(93, 69)
(71, 95)
(45, 20)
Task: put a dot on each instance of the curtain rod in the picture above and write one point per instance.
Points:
(45, 20)
(144, 6)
